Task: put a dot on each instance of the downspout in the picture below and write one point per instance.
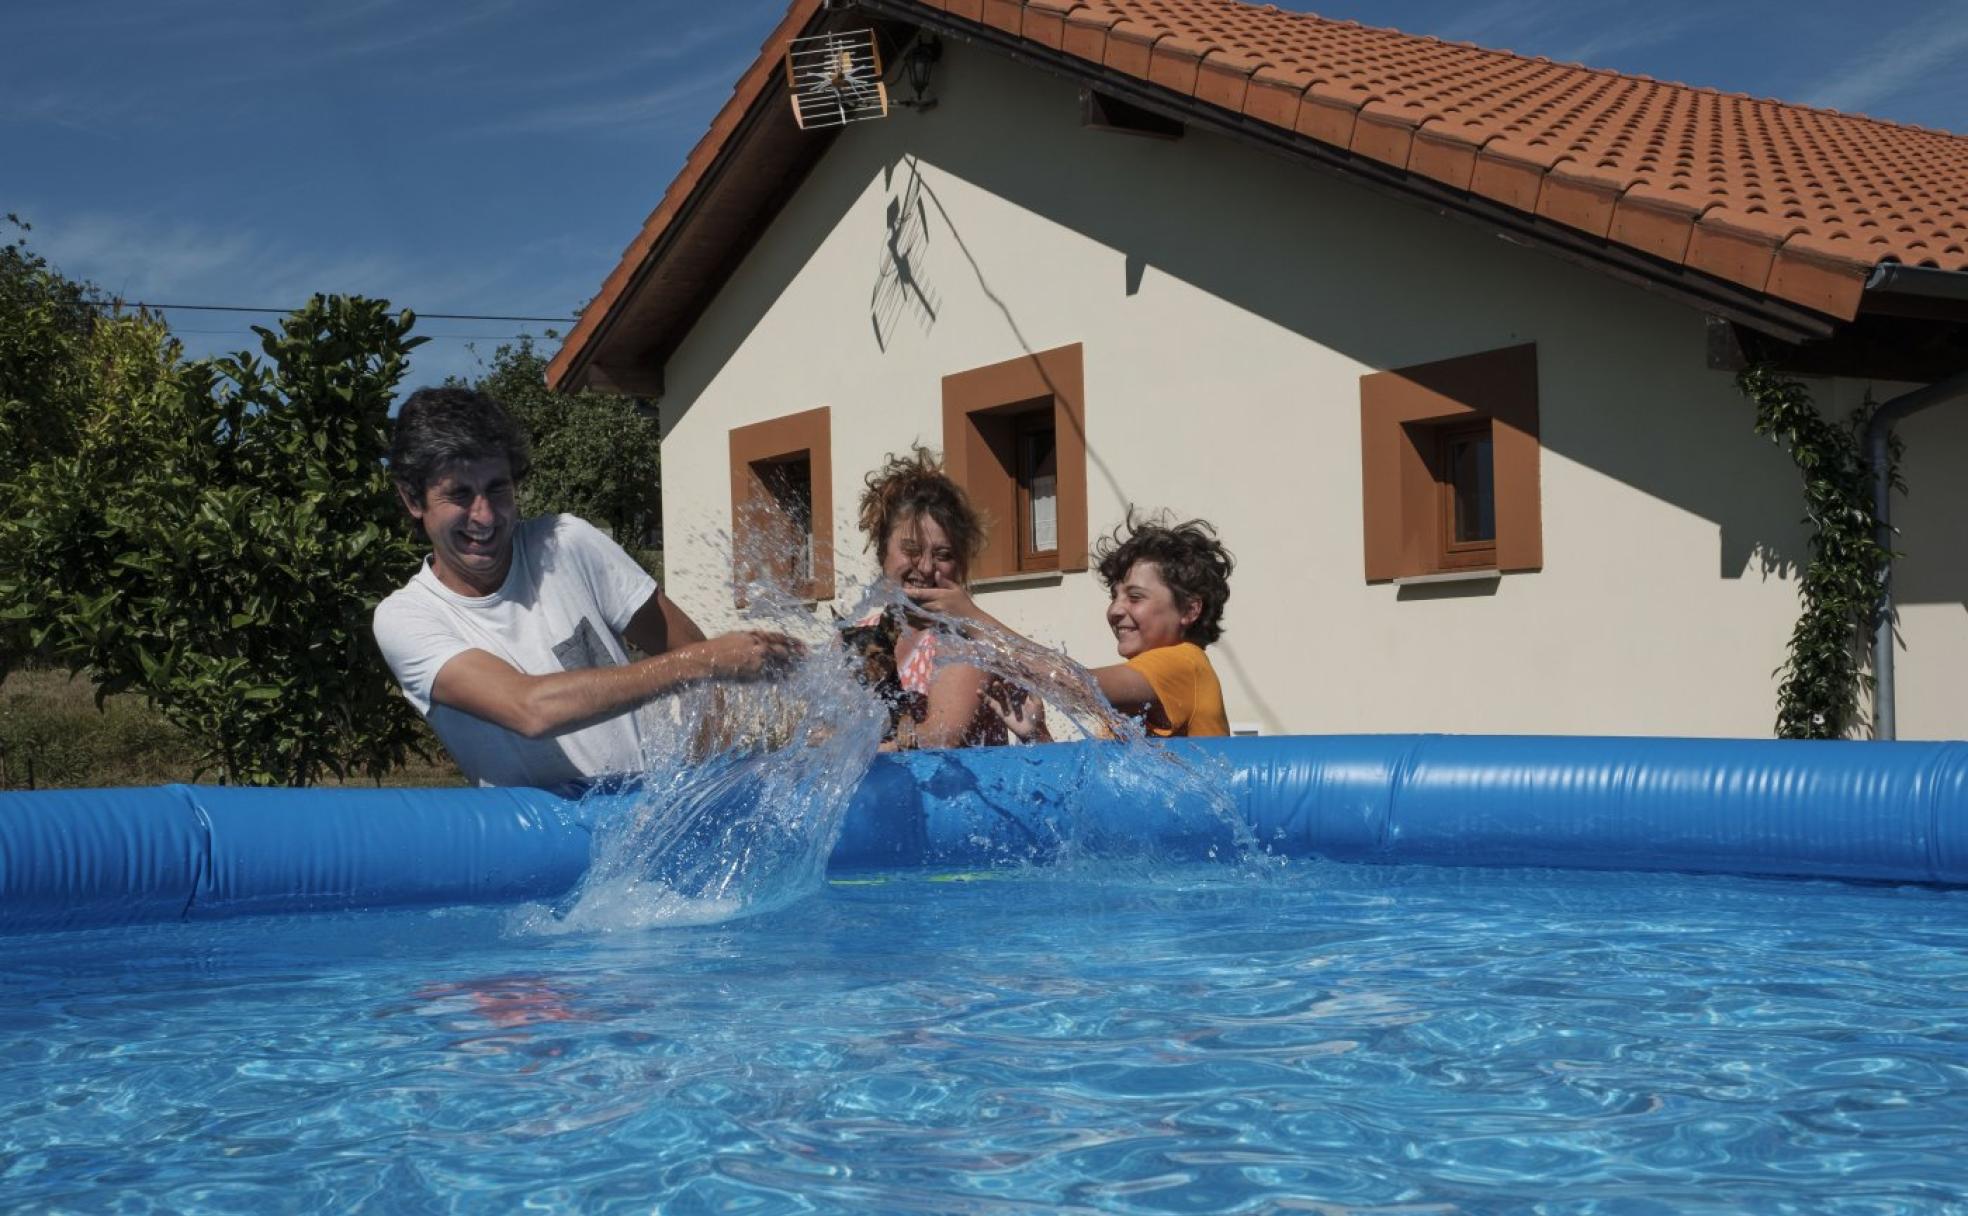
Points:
(1878, 441)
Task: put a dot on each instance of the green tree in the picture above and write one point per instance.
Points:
(218, 541)
(46, 323)
(595, 455)
(72, 375)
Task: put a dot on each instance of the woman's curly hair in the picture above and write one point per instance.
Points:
(906, 487)
(1193, 563)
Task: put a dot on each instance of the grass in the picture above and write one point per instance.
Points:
(53, 736)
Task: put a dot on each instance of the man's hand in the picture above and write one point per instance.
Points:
(749, 654)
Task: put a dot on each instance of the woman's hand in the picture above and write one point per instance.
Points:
(948, 598)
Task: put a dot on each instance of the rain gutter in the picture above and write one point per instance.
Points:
(1879, 439)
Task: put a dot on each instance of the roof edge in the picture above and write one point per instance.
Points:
(1497, 186)
(570, 365)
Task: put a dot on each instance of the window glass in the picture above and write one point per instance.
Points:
(1039, 478)
(1472, 488)
(790, 485)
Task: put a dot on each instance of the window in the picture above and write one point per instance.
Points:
(1449, 461)
(1014, 436)
(782, 527)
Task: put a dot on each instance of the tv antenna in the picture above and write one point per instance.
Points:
(836, 79)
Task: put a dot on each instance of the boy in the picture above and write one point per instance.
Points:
(1167, 586)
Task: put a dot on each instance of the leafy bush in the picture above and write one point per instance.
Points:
(219, 539)
(46, 366)
(62, 359)
(1843, 586)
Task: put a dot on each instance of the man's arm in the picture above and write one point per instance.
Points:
(486, 686)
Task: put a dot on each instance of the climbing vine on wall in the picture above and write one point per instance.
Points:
(1842, 588)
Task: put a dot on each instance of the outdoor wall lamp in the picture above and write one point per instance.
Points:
(919, 61)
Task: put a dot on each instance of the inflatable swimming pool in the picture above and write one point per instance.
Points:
(939, 1028)
(1885, 811)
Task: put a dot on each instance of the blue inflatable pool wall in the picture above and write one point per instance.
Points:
(1884, 811)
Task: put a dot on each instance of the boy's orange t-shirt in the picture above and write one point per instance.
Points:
(1185, 684)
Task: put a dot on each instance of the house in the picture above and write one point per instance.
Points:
(1443, 339)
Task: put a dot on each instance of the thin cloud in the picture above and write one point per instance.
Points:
(145, 258)
(1904, 58)
(634, 112)
(139, 259)
(1504, 25)
(68, 110)
(1610, 40)
(411, 35)
(670, 49)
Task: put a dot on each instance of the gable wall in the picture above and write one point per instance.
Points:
(1227, 302)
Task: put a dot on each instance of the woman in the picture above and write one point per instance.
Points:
(925, 533)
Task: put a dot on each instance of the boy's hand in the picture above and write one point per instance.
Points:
(1023, 713)
(946, 597)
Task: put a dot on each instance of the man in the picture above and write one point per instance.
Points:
(509, 639)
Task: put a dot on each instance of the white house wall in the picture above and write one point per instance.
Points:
(1227, 302)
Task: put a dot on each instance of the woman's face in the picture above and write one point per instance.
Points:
(1144, 614)
(919, 552)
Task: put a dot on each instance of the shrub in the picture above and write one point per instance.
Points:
(218, 542)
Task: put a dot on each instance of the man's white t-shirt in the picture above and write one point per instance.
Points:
(568, 597)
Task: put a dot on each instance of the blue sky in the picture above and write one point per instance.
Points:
(495, 157)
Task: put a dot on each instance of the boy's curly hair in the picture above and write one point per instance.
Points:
(1193, 563)
(906, 487)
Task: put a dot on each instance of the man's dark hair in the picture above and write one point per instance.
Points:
(1192, 561)
(438, 427)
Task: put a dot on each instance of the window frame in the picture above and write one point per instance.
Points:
(776, 441)
(1403, 413)
(982, 408)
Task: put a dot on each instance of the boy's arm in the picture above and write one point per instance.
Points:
(1125, 688)
(486, 686)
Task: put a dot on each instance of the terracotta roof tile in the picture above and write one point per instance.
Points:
(1044, 22)
(1796, 202)
(1007, 15)
(1783, 198)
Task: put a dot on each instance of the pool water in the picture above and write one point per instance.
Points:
(1334, 1039)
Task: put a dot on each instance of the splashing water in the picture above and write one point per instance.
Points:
(745, 785)
(742, 796)
(1190, 789)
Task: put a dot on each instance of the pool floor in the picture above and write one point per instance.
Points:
(1337, 1039)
